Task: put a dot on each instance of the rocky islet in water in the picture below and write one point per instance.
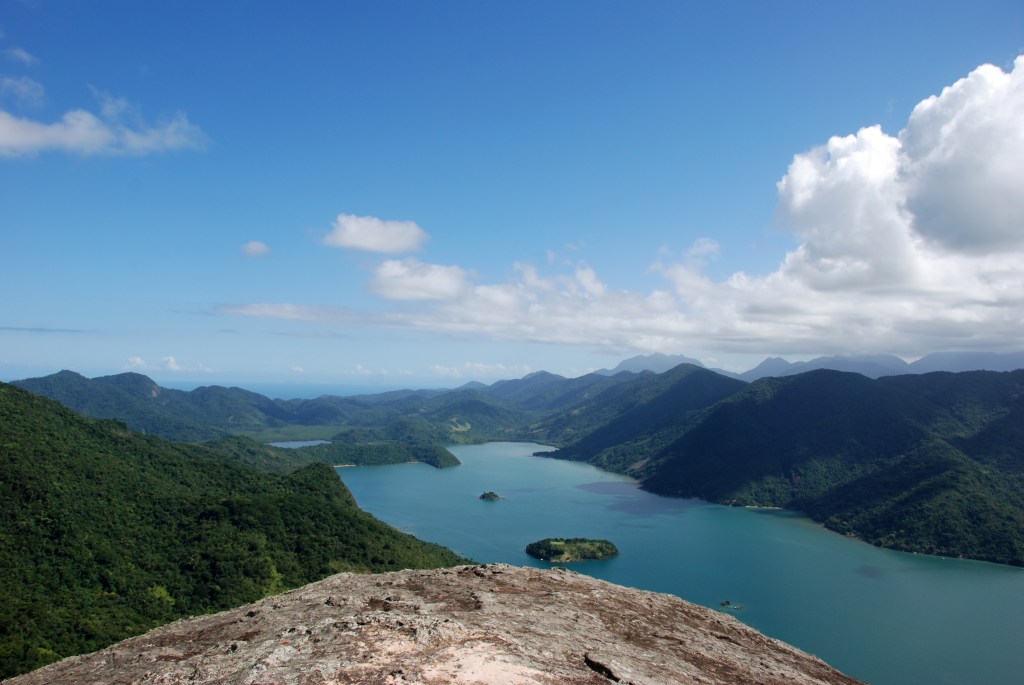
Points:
(566, 550)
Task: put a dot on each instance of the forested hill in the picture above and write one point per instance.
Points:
(106, 533)
(926, 462)
(203, 414)
(628, 422)
(397, 419)
(931, 463)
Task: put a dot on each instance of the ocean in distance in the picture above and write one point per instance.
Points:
(885, 617)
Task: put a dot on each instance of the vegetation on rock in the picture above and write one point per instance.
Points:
(566, 550)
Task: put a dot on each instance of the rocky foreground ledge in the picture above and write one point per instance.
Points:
(470, 624)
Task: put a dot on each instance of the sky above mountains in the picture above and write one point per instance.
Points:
(425, 193)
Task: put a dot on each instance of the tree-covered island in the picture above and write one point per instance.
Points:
(565, 550)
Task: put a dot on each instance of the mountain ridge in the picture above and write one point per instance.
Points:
(887, 459)
(930, 463)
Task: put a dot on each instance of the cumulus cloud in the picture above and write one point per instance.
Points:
(21, 56)
(962, 165)
(255, 248)
(119, 130)
(375, 235)
(411, 279)
(844, 201)
(24, 91)
(914, 238)
(906, 243)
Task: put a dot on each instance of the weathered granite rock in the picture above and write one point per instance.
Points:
(471, 624)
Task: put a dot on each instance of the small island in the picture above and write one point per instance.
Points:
(565, 550)
(490, 496)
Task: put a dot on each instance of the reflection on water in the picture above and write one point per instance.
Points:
(629, 499)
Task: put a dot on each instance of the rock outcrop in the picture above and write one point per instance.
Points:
(470, 624)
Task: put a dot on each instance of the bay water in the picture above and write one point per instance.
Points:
(885, 617)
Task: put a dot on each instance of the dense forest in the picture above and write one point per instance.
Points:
(931, 463)
(107, 533)
(928, 462)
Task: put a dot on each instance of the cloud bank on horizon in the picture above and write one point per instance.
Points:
(905, 244)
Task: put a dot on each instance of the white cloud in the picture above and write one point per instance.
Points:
(475, 370)
(375, 235)
(25, 91)
(255, 248)
(963, 162)
(118, 131)
(590, 285)
(702, 248)
(290, 312)
(167, 363)
(366, 372)
(905, 244)
(844, 202)
(21, 55)
(410, 279)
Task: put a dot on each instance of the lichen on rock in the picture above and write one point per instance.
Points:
(462, 625)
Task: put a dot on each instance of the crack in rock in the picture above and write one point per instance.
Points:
(599, 668)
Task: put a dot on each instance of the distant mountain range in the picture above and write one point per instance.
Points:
(657, 362)
(930, 462)
(872, 366)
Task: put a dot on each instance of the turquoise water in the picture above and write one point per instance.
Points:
(885, 617)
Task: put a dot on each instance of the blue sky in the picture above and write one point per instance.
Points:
(425, 193)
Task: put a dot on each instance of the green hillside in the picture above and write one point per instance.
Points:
(929, 463)
(107, 533)
(623, 427)
(543, 391)
(422, 417)
(201, 414)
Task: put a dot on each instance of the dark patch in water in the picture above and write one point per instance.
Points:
(629, 498)
(609, 488)
(869, 571)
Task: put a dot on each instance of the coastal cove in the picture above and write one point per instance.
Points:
(885, 617)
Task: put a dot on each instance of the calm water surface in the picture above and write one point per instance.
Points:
(885, 617)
